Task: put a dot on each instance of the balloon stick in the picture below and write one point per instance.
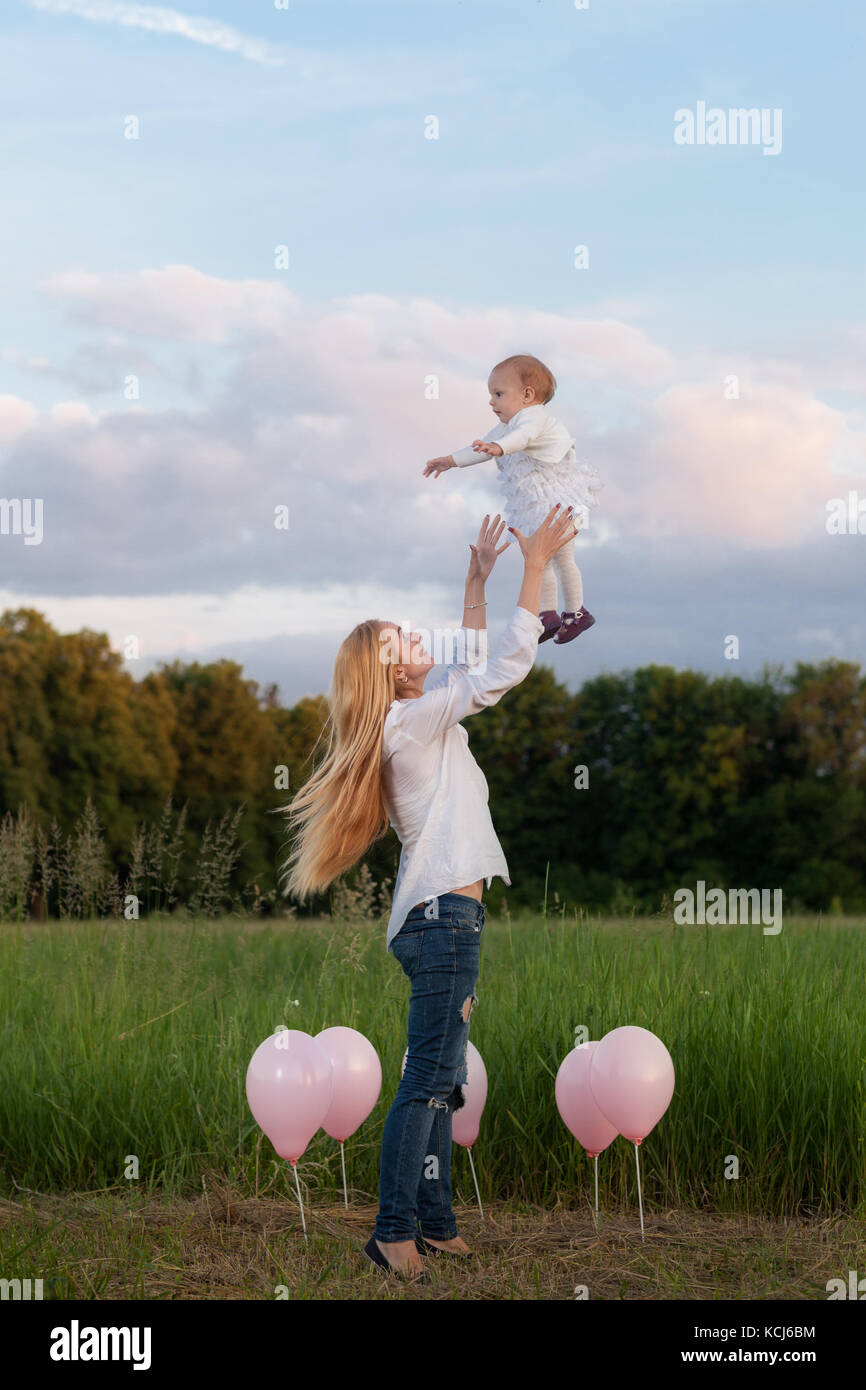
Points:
(343, 1161)
(474, 1179)
(639, 1200)
(300, 1203)
(596, 1184)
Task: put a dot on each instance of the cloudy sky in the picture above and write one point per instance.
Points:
(232, 260)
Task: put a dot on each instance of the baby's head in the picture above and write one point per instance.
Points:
(518, 382)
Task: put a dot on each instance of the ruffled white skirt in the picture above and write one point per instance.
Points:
(532, 488)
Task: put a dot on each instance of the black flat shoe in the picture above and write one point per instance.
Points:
(372, 1251)
(426, 1248)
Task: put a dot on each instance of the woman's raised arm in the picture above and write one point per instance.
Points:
(425, 718)
(484, 557)
(537, 549)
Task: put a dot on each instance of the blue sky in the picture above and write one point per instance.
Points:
(305, 127)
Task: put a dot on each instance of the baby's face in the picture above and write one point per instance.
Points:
(507, 396)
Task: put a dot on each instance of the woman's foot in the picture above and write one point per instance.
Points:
(455, 1246)
(402, 1256)
(456, 1243)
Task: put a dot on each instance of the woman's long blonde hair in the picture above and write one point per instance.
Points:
(340, 812)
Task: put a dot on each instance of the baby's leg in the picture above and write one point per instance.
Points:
(548, 588)
(570, 581)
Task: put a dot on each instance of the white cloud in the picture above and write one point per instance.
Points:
(322, 407)
(753, 470)
(823, 636)
(72, 413)
(192, 623)
(176, 302)
(16, 416)
(182, 303)
(849, 452)
(157, 19)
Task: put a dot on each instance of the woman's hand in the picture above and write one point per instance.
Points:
(484, 552)
(555, 531)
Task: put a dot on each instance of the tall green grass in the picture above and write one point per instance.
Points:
(122, 1038)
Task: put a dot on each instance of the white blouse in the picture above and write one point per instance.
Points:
(435, 792)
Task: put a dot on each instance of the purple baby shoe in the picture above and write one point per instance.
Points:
(552, 623)
(573, 624)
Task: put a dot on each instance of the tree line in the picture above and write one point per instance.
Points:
(610, 797)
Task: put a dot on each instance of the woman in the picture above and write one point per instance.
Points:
(398, 754)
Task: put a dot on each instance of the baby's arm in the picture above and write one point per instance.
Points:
(515, 441)
(461, 458)
(464, 457)
(543, 438)
(521, 437)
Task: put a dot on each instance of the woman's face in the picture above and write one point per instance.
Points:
(406, 650)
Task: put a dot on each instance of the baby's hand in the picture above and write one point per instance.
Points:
(481, 448)
(437, 466)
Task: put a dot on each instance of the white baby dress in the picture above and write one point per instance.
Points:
(538, 468)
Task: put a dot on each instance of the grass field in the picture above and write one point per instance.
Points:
(127, 1039)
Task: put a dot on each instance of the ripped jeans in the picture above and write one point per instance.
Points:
(440, 954)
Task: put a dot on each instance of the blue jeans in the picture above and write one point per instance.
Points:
(440, 954)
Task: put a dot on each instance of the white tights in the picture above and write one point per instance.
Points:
(563, 568)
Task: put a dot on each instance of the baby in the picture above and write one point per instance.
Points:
(538, 468)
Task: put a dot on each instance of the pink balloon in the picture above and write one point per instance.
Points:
(631, 1077)
(576, 1103)
(357, 1080)
(289, 1086)
(466, 1122)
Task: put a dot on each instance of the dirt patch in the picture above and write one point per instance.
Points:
(225, 1244)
